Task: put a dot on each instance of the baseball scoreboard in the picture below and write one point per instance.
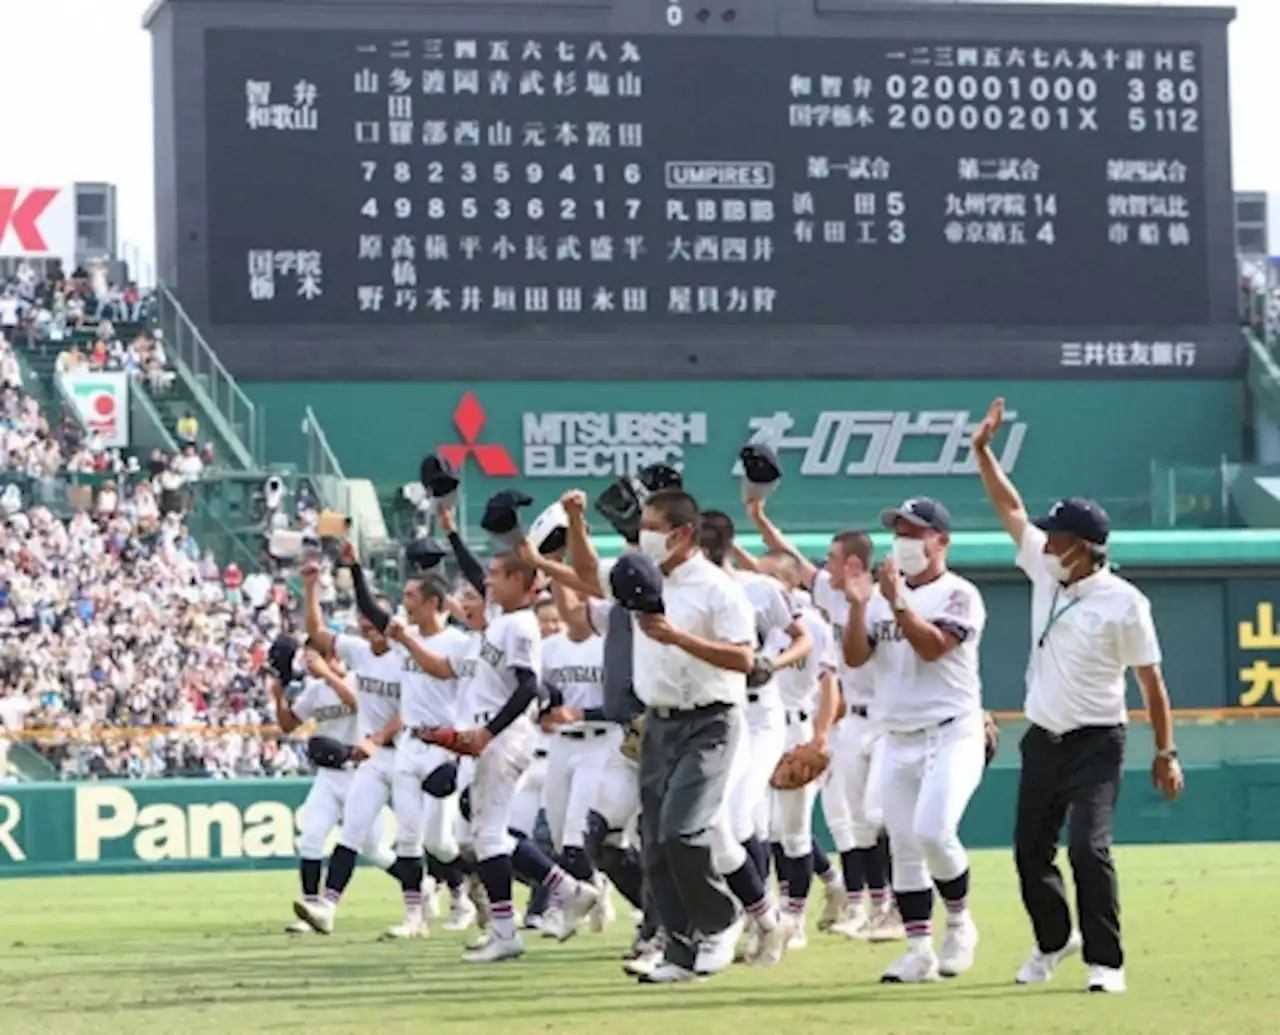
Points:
(616, 182)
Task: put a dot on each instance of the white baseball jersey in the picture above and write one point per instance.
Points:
(772, 609)
(575, 669)
(912, 693)
(858, 684)
(798, 685)
(377, 679)
(510, 641)
(333, 717)
(424, 699)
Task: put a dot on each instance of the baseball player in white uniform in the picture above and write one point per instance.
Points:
(739, 843)
(497, 699)
(425, 783)
(809, 695)
(851, 799)
(920, 632)
(377, 670)
(328, 700)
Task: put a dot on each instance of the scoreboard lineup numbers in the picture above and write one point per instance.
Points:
(512, 176)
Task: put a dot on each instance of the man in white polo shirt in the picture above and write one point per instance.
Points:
(1088, 626)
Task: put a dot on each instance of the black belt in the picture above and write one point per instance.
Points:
(539, 753)
(583, 734)
(663, 712)
(1079, 731)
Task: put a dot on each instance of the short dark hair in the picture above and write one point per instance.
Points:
(433, 587)
(513, 565)
(677, 507)
(857, 544)
(787, 560)
(715, 535)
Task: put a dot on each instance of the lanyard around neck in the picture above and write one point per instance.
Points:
(1055, 613)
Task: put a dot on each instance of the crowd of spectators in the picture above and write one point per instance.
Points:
(1260, 301)
(125, 650)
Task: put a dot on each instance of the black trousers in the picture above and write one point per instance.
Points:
(1073, 778)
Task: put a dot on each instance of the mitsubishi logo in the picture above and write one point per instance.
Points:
(493, 458)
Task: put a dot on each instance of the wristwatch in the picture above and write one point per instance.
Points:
(900, 604)
(1171, 753)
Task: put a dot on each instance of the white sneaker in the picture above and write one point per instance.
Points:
(541, 921)
(668, 974)
(602, 913)
(716, 952)
(915, 966)
(1040, 966)
(958, 946)
(750, 945)
(835, 905)
(799, 939)
(430, 907)
(886, 925)
(773, 944)
(644, 962)
(483, 937)
(462, 914)
(575, 906)
(1106, 979)
(855, 925)
(495, 950)
(299, 927)
(413, 927)
(319, 916)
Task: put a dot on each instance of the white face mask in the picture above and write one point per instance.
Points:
(1054, 566)
(910, 555)
(654, 545)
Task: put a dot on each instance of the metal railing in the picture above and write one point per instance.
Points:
(191, 354)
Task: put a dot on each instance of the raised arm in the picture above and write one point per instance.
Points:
(1000, 490)
(318, 634)
(286, 718)
(742, 559)
(582, 551)
(321, 669)
(471, 568)
(557, 571)
(856, 645)
(775, 540)
(365, 603)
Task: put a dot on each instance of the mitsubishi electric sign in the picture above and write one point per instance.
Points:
(605, 444)
(861, 443)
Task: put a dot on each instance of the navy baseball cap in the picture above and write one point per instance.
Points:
(1079, 517)
(636, 582)
(922, 511)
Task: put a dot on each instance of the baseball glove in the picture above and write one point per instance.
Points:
(327, 753)
(457, 741)
(799, 766)
(761, 673)
(992, 732)
(632, 732)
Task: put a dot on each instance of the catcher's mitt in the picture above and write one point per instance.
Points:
(327, 753)
(799, 766)
(632, 732)
(992, 736)
(761, 673)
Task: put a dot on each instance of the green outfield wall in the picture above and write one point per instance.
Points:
(1233, 794)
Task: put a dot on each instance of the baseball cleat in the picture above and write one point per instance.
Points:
(495, 950)
(645, 962)
(462, 914)
(644, 946)
(319, 916)
(958, 946)
(413, 927)
(1040, 966)
(1106, 979)
(915, 966)
(772, 945)
(886, 926)
(717, 951)
(750, 944)
(799, 939)
(483, 937)
(575, 907)
(855, 926)
(299, 927)
(668, 974)
(835, 906)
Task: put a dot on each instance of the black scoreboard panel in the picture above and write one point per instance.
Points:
(595, 182)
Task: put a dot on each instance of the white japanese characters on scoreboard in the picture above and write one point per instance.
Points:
(262, 112)
(508, 162)
(1148, 209)
(301, 271)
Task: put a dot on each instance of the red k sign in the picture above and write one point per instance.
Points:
(38, 222)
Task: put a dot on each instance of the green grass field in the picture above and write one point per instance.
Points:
(205, 955)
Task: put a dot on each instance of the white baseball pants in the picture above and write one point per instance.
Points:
(323, 811)
(529, 793)
(852, 793)
(791, 812)
(618, 798)
(369, 793)
(493, 790)
(929, 777)
(754, 759)
(423, 821)
(576, 763)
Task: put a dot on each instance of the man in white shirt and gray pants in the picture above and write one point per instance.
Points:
(690, 670)
(1088, 626)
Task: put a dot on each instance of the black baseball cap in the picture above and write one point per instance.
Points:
(1079, 517)
(922, 511)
